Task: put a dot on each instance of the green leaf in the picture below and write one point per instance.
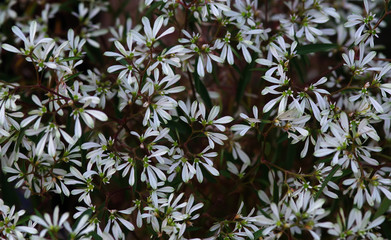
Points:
(24, 219)
(236, 54)
(69, 59)
(385, 204)
(258, 234)
(201, 89)
(93, 54)
(72, 76)
(298, 67)
(150, 10)
(9, 78)
(237, 68)
(385, 229)
(67, 5)
(192, 229)
(225, 173)
(283, 137)
(49, 55)
(328, 178)
(291, 154)
(178, 128)
(19, 140)
(244, 80)
(96, 236)
(11, 196)
(38, 213)
(123, 62)
(318, 47)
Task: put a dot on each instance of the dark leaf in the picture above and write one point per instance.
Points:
(317, 47)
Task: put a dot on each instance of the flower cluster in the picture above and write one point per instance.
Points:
(164, 122)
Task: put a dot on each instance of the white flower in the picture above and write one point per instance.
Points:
(151, 34)
(366, 25)
(82, 179)
(52, 224)
(242, 129)
(226, 53)
(115, 218)
(205, 58)
(126, 70)
(358, 66)
(273, 220)
(29, 43)
(9, 223)
(152, 173)
(82, 228)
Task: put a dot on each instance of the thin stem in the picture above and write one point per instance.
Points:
(286, 171)
(54, 92)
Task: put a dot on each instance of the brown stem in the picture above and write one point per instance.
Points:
(54, 92)
(286, 171)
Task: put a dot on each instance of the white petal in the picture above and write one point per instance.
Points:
(98, 115)
(10, 48)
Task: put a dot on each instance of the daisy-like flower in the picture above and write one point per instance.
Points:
(82, 179)
(366, 25)
(211, 121)
(29, 43)
(9, 223)
(128, 55)
(151, 34)
(130, 164)
(151, 173)
(215, 7)
(357, 67)
(224, 44)
(207, 163)
(162, 86)
(338, 142)
(309, 27)
(367, 188)
(244, 13)
(35, 114)
(75, 45)
(160, 109)
(320, 103)
(242, 128)
(190, 111)
(343, 138)
(278, 217)
(205, 57)
(82, 228)
(365, 97)
(168, 59)
(356, 226)
(115, 218)
(85, 114)
(281, 52)
(52, 224)
(245, 225)
(234, 170)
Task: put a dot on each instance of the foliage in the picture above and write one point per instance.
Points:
(204, 119)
